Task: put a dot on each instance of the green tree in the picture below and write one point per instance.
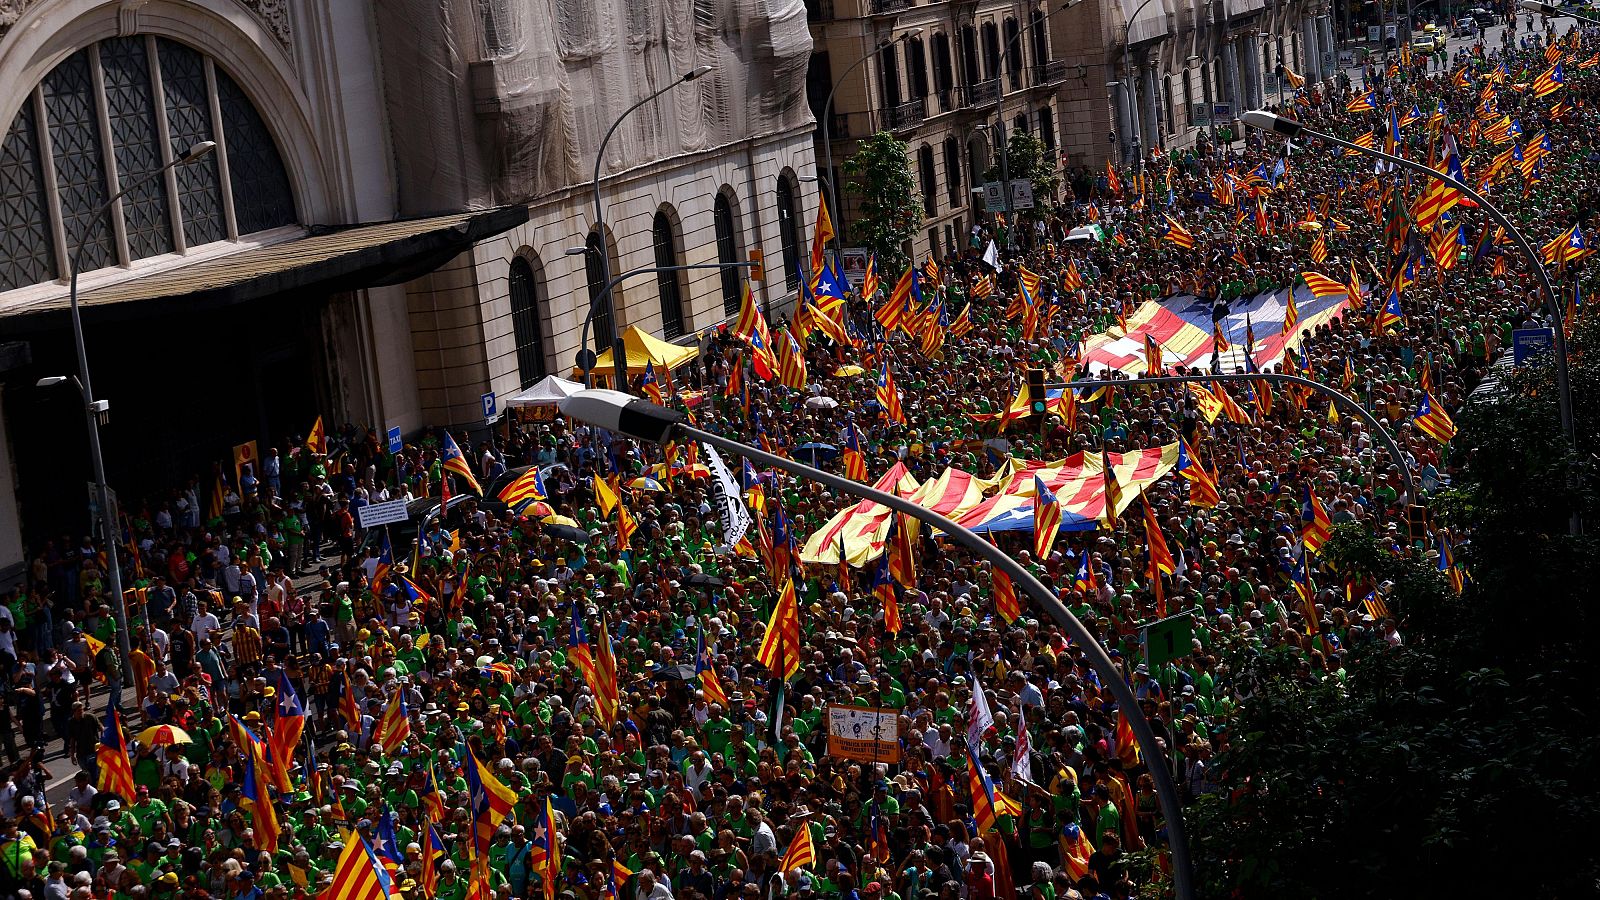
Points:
(1467, 755)
(890, 209)
(1029, 159)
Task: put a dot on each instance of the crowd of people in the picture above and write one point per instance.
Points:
(513, 708)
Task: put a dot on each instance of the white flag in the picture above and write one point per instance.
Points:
(979, 719)
(991, 256)
(725, 493)
(1021, 761)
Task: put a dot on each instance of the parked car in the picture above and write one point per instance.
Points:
(1482, 16)
(1466, 27)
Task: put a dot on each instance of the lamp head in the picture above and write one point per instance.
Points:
(619, 412)
(1264, 121)
(575, 251)
(195, 152)
(1535, 6)
(696, 72)
(50, 381)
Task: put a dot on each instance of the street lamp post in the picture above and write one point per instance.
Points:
(1344, 400)
(93, 409)
(827, 130)
(587, 360)
(1290, 129)
(1551, 11)
(1131, 91)
(619, 357)
(645, 421)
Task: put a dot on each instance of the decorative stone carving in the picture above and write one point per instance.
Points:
(11, 11)
(273, 13)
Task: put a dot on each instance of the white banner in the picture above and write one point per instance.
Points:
(730, 505)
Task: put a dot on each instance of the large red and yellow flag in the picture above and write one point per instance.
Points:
(780, 646)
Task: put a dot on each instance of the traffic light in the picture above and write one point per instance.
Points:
(1036, 394)
(758, 269)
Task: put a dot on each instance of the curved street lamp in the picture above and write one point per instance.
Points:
(1290, 129)
(645, 421)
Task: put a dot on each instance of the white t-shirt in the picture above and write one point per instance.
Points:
(204, 624)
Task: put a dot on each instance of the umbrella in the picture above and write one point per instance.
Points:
(813, 450)
(564, 531)
(821, 403)
(538, 509)
(847, 371)
(164, 736)
(645, 484)
(675, 673)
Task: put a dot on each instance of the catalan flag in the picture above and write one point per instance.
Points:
(1432, 420)
(791, 363)
(889, 396)
(1177, 235)
(317, 438)
(358, 874)
(883, 589)
(607, 699)
(780, 645)
(903, 302)
(751, 327)
(1549, 81)
(1291, 312)
(1439, 197)
(821, 235)
(1315, 526)
(1390, 316)
(455, 462)
(898, 550)
(529, 486)
(1006, 605)
(1160, 557)
(1295, 79)
(253, 787)
(488, 800)
(869, 279)
(289, 722)
(1565, 247)
(1321, 287)
(545, 857)
(1075, 851)
(395, 726)
(1046, 518)
(963, 323)
(116, 771)
(1113, 490)
(801, 852)
(649, 385)
(1203, 492)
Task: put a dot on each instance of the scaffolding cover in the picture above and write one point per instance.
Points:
(502, 101)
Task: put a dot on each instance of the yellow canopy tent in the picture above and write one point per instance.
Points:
(641, 349)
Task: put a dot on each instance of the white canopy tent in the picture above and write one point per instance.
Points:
(547, 392)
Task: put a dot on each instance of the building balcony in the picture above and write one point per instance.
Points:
(1052, 72)
(884, 7)
(906, 115)
(983, 93)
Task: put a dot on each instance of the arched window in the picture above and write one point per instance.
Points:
(527, 296)
(969, 55)
(943, 70)
(107, 122)
(925, 174)
(602, 329)
(788, 230)
(1041, 47)
(727, 252)
(664, 236)
(952, 171)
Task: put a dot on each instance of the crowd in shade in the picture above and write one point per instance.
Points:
(576, 684)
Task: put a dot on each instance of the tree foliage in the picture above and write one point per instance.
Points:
(1028, 158)
(890, 208)
(1464, 761)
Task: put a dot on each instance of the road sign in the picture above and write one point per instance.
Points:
(1221, 112)
(1200, 115)
(586, 360)
(488, 406)
(1526, 343)
(1167, 639)
(994, 196)
(395, 444)
(1021, 193)
(386, 513)
(1330, 61)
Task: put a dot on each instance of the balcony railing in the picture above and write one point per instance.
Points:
(907, 115)
(880, 7)
(984, 93)
(1052, 72)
